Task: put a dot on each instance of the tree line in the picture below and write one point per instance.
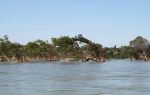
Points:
(73, 49)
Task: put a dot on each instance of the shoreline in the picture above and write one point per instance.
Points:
(68, 61)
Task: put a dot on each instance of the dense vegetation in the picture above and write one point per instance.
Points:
(71, 48)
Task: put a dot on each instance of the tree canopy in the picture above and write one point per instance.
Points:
(77, 47)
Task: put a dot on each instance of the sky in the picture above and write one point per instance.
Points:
(108, 22)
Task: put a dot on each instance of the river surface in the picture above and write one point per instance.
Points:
(117, 77)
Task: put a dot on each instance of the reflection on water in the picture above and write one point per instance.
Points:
(117, 77)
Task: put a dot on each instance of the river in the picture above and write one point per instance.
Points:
(116, 77)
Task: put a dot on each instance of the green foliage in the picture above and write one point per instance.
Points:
(139, 46)
(82, 39)
(32, 49)
(64, 45)
(71, 47)
(5, 45)
(148, 51)
(39, 48)
(9, 49)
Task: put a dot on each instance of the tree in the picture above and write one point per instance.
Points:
(64, 45)
(82, 39)
(32, 49)
(139, 46)
(148, 51)
(5, 46)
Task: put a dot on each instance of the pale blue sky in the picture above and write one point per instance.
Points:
(108, 22)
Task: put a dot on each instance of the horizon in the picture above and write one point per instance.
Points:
(108, 23)
(50, 41)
